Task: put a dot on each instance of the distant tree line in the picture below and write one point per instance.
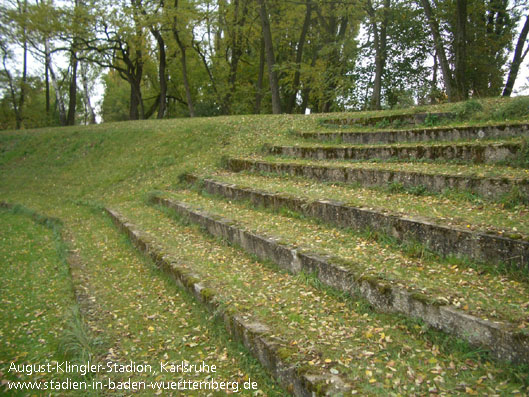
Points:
(178, 58)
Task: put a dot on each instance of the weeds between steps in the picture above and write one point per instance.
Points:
(211, 321)
(511, 200)
(411, 248)
(74, 342)
(448, 343)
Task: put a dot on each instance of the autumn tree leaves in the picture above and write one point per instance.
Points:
(162, 58)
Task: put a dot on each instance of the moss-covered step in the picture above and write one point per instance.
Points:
(480, 290)
(423, 134)
(414, 118)
(452, 208)
(467, 152)
(256, 337)
(316, 327)
(443, 239)
(409, 176)
(505, 341)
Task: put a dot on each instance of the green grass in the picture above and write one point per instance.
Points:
(486, 296)
(39, 318)
(150, 320)
(334, 329)
(70, 173)
(472, 112)
(431, 167)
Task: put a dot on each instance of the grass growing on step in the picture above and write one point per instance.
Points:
(446, 344)
(466, 110)
(514, 198)
(77, 344)
(148, 318)
(430, 167)
(324, 331)
(484, 295)
(473, 111)
(38, 313)
(412, 248)
(517, 108)
(458, 208)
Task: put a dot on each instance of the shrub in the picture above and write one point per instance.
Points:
(465, 110)
(517, 108)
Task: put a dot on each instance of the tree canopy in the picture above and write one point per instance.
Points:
(186, 58)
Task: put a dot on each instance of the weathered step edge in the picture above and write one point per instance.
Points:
(500, 339)
(445, 240)
(412, 118)
(256, 337)
(491, 188)
(423, 135)
(480, 153)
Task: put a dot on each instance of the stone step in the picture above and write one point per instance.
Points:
(455, 209)
(423, 135)
(371, 175)
(503, 340)
(479, 289)
(443, 239)
(467, 152)
(257, 337)
(416, 118)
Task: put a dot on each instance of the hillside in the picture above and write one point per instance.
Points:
(348, 256)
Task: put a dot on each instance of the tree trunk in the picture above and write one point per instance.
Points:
(439, 47)
(380, 43)
(270, 59)
(461, 51)
(86, 94)
(299, 54)
(58, 98)
(70, 120)
(136, 100)
(435, 68)
(47, 82)
(162, 65)
(183, 59)
(22, 98)
(259, 88)
(239, 19)
(518, 58)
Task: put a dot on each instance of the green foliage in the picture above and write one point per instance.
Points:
(431, 120)
(77, 344)
(116, 100)
(468, 109)
(513, 198)
(384, 123)
(514, 109)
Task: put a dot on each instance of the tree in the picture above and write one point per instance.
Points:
(17, 85)
(380, 43)
(518, 58)
(299, 56)
(440, 50)
(270, 58)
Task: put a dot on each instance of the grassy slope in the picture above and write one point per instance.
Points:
(67, 172)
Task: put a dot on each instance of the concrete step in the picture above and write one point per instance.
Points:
(466, 152)
(371, 175)
(505, 341)
(416, 118)
(256, 336)
(423, 135)
(443, 239)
